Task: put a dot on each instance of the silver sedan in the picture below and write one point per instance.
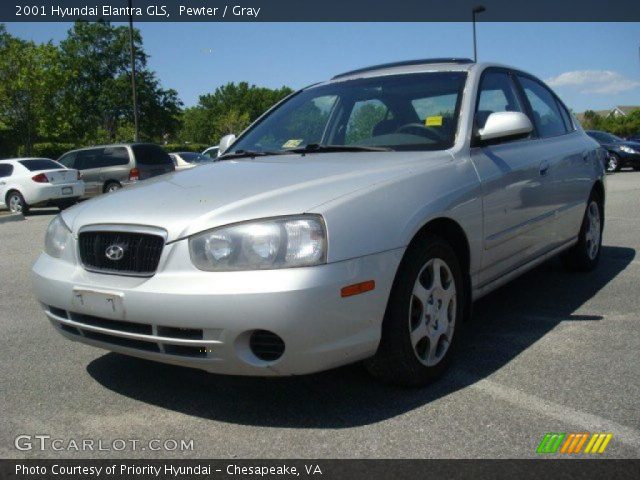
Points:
(358, 219)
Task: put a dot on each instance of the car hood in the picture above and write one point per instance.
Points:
(225, 192)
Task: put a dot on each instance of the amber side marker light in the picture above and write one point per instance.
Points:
(357, 288)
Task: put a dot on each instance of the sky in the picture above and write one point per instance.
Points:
(590, 65)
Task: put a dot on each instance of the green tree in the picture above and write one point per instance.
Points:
(29, 77)
(229, 109)
(97, 90)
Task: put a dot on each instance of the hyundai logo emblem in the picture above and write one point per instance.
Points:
(114, 252)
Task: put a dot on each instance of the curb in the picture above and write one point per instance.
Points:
(12, 217)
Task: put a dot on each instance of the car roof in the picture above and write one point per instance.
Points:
(110, 145)
(7, 160)
(416, 66)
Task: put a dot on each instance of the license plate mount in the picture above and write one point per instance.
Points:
(67, 190)
(99, 303)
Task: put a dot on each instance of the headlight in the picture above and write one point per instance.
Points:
(265, 244)
(626, 149)
(56, 238)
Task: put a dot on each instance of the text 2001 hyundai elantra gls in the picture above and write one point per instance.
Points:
(355, 220)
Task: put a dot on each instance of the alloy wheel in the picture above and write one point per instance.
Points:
(432, 312)
(15, 203)
(593, 232)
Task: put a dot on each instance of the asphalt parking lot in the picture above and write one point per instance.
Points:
(551, 352)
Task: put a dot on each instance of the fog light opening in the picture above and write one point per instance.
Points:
(266, 345)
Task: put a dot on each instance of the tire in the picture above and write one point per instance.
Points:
(613, 163)
(111, 187)
(636, 168)
(16, 203)
(422, 316)
(585, 255)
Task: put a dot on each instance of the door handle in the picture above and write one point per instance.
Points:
(3, 183)
(544, 168)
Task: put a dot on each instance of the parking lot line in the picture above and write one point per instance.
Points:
(624, 434)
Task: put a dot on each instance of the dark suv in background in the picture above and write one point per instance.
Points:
(620, 153)
(109, 167)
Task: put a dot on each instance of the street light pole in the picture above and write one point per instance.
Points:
(474, 12)
(136, 134)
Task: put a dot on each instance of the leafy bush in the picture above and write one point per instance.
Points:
(47, 150)
(185, 147)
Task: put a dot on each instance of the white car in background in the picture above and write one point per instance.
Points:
(31, 182)
(186, 160)
(212, 152)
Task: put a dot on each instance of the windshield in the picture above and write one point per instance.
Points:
(397, 112)
(605, 137)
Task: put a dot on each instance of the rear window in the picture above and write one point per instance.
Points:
(5, 170)
(40, 164)
(151, 155)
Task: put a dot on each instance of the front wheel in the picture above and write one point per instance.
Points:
(585, 255)
(424, 312)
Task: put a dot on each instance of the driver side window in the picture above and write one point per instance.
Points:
(497, 93)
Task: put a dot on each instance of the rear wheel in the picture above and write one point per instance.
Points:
(424, 312)
(585, 255)
(112, 187)
(16, 203)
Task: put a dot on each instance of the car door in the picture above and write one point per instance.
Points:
(88, 162)
(568, 154)
(114, 163)
(6, 169)
(518, 217)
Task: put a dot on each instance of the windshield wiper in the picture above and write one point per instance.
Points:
(250, 154)
(318, 148)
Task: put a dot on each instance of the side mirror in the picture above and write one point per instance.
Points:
(225, 143)
(505, 125)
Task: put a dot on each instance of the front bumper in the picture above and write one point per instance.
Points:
(155, 318)
(628, 159)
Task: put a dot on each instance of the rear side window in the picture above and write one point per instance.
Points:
(40, 164)
(89, 159)
(114, 156)
(566, 117)
(546, 113)
(151, 155)
(67, 159)
(497, 94)
(5, 170)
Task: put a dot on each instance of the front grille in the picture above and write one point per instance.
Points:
(130, 253)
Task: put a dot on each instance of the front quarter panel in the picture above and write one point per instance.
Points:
(388, 215)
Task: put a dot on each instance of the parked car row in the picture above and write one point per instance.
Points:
(87, 172)
(620, 152)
